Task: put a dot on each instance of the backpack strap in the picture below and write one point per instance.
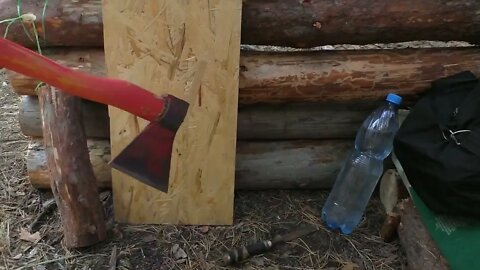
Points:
(465, 122)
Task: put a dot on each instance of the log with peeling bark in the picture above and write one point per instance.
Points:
(72, 179)
(293, 23)
(260, 165)
(67, 22)
(418, 245)
(269, 121)
(327, 76)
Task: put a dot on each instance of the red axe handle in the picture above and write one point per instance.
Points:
(118, 93)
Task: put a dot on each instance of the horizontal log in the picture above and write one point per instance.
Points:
(289, 164)
(37, 168)
(90, 60)
(94, 115)
(309, 23)
(67, 23)
(327, 76)
(258, 121)
(293, 23)
(259, 165)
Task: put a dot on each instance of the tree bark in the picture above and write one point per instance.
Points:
(72, 179)
(260, 165)
(420, 249)
(258, 121)
(292, 23)
(327, 76)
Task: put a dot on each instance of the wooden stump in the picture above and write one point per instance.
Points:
(73, 182)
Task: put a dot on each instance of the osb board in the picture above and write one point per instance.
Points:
(160, 45)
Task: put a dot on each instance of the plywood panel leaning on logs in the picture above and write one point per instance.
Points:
(181, 48)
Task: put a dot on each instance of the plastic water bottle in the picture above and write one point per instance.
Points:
(361, 171)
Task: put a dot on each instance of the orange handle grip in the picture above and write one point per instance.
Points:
(118, 93)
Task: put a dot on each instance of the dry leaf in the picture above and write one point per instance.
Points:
(34, 238)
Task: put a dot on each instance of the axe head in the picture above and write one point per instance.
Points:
(147, 158)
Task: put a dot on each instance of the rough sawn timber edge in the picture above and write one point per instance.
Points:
(159, 45)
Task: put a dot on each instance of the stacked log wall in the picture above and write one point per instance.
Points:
(299, 110)
(302, 101)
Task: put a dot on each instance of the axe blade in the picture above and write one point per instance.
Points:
(148, 157)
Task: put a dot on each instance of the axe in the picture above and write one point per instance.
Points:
(147, 158)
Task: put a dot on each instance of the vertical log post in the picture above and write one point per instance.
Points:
(72, 179)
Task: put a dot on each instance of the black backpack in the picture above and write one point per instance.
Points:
(438, 146)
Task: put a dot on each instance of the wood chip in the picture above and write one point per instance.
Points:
(389, 190)
(178, 253)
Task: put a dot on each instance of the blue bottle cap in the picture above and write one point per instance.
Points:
(396, 99)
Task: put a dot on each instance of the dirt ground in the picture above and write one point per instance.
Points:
(31, 233)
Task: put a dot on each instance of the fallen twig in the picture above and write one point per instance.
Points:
(46, 208)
